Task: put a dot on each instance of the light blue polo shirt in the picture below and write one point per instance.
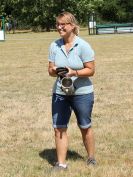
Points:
(80, 53)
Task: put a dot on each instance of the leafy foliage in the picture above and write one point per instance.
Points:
(42, 13)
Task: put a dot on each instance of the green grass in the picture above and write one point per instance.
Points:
(26, 136)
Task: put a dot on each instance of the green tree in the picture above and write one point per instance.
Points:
(125, 10)
(42, 13)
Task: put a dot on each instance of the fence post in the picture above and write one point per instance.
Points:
(92, 24)
(2, 28)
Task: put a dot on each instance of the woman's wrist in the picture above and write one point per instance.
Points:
(76, 73)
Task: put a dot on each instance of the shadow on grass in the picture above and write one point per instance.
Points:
(50, 155)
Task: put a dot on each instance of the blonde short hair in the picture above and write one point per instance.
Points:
(69, 18)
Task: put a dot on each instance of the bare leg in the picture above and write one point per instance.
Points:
(88, 140)
(61, 141)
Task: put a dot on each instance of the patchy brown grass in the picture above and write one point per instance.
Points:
(26, 135)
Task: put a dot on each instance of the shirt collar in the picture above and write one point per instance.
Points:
(60, 42)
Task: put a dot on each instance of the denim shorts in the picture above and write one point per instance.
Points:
(62, 106)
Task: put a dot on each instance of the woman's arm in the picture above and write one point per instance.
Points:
(87, 71)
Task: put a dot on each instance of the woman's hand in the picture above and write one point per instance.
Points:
(52, 69)
(71, 72)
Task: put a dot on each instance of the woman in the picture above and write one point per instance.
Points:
(77, 58)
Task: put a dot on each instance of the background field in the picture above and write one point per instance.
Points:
(26, 135)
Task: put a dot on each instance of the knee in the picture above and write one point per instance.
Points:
(87, 132)
(59, 132)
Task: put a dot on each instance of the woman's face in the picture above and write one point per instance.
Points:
(64, 29)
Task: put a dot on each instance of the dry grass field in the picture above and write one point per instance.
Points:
(26, 136)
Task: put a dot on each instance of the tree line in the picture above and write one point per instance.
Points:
(42, 13)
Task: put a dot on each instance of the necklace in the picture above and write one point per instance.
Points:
(68, 45)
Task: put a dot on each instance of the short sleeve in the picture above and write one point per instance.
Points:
(87, 53)
(52, 52)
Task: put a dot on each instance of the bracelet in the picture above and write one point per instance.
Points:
(76, 73)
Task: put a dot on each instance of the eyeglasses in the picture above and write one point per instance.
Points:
(61, 25)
